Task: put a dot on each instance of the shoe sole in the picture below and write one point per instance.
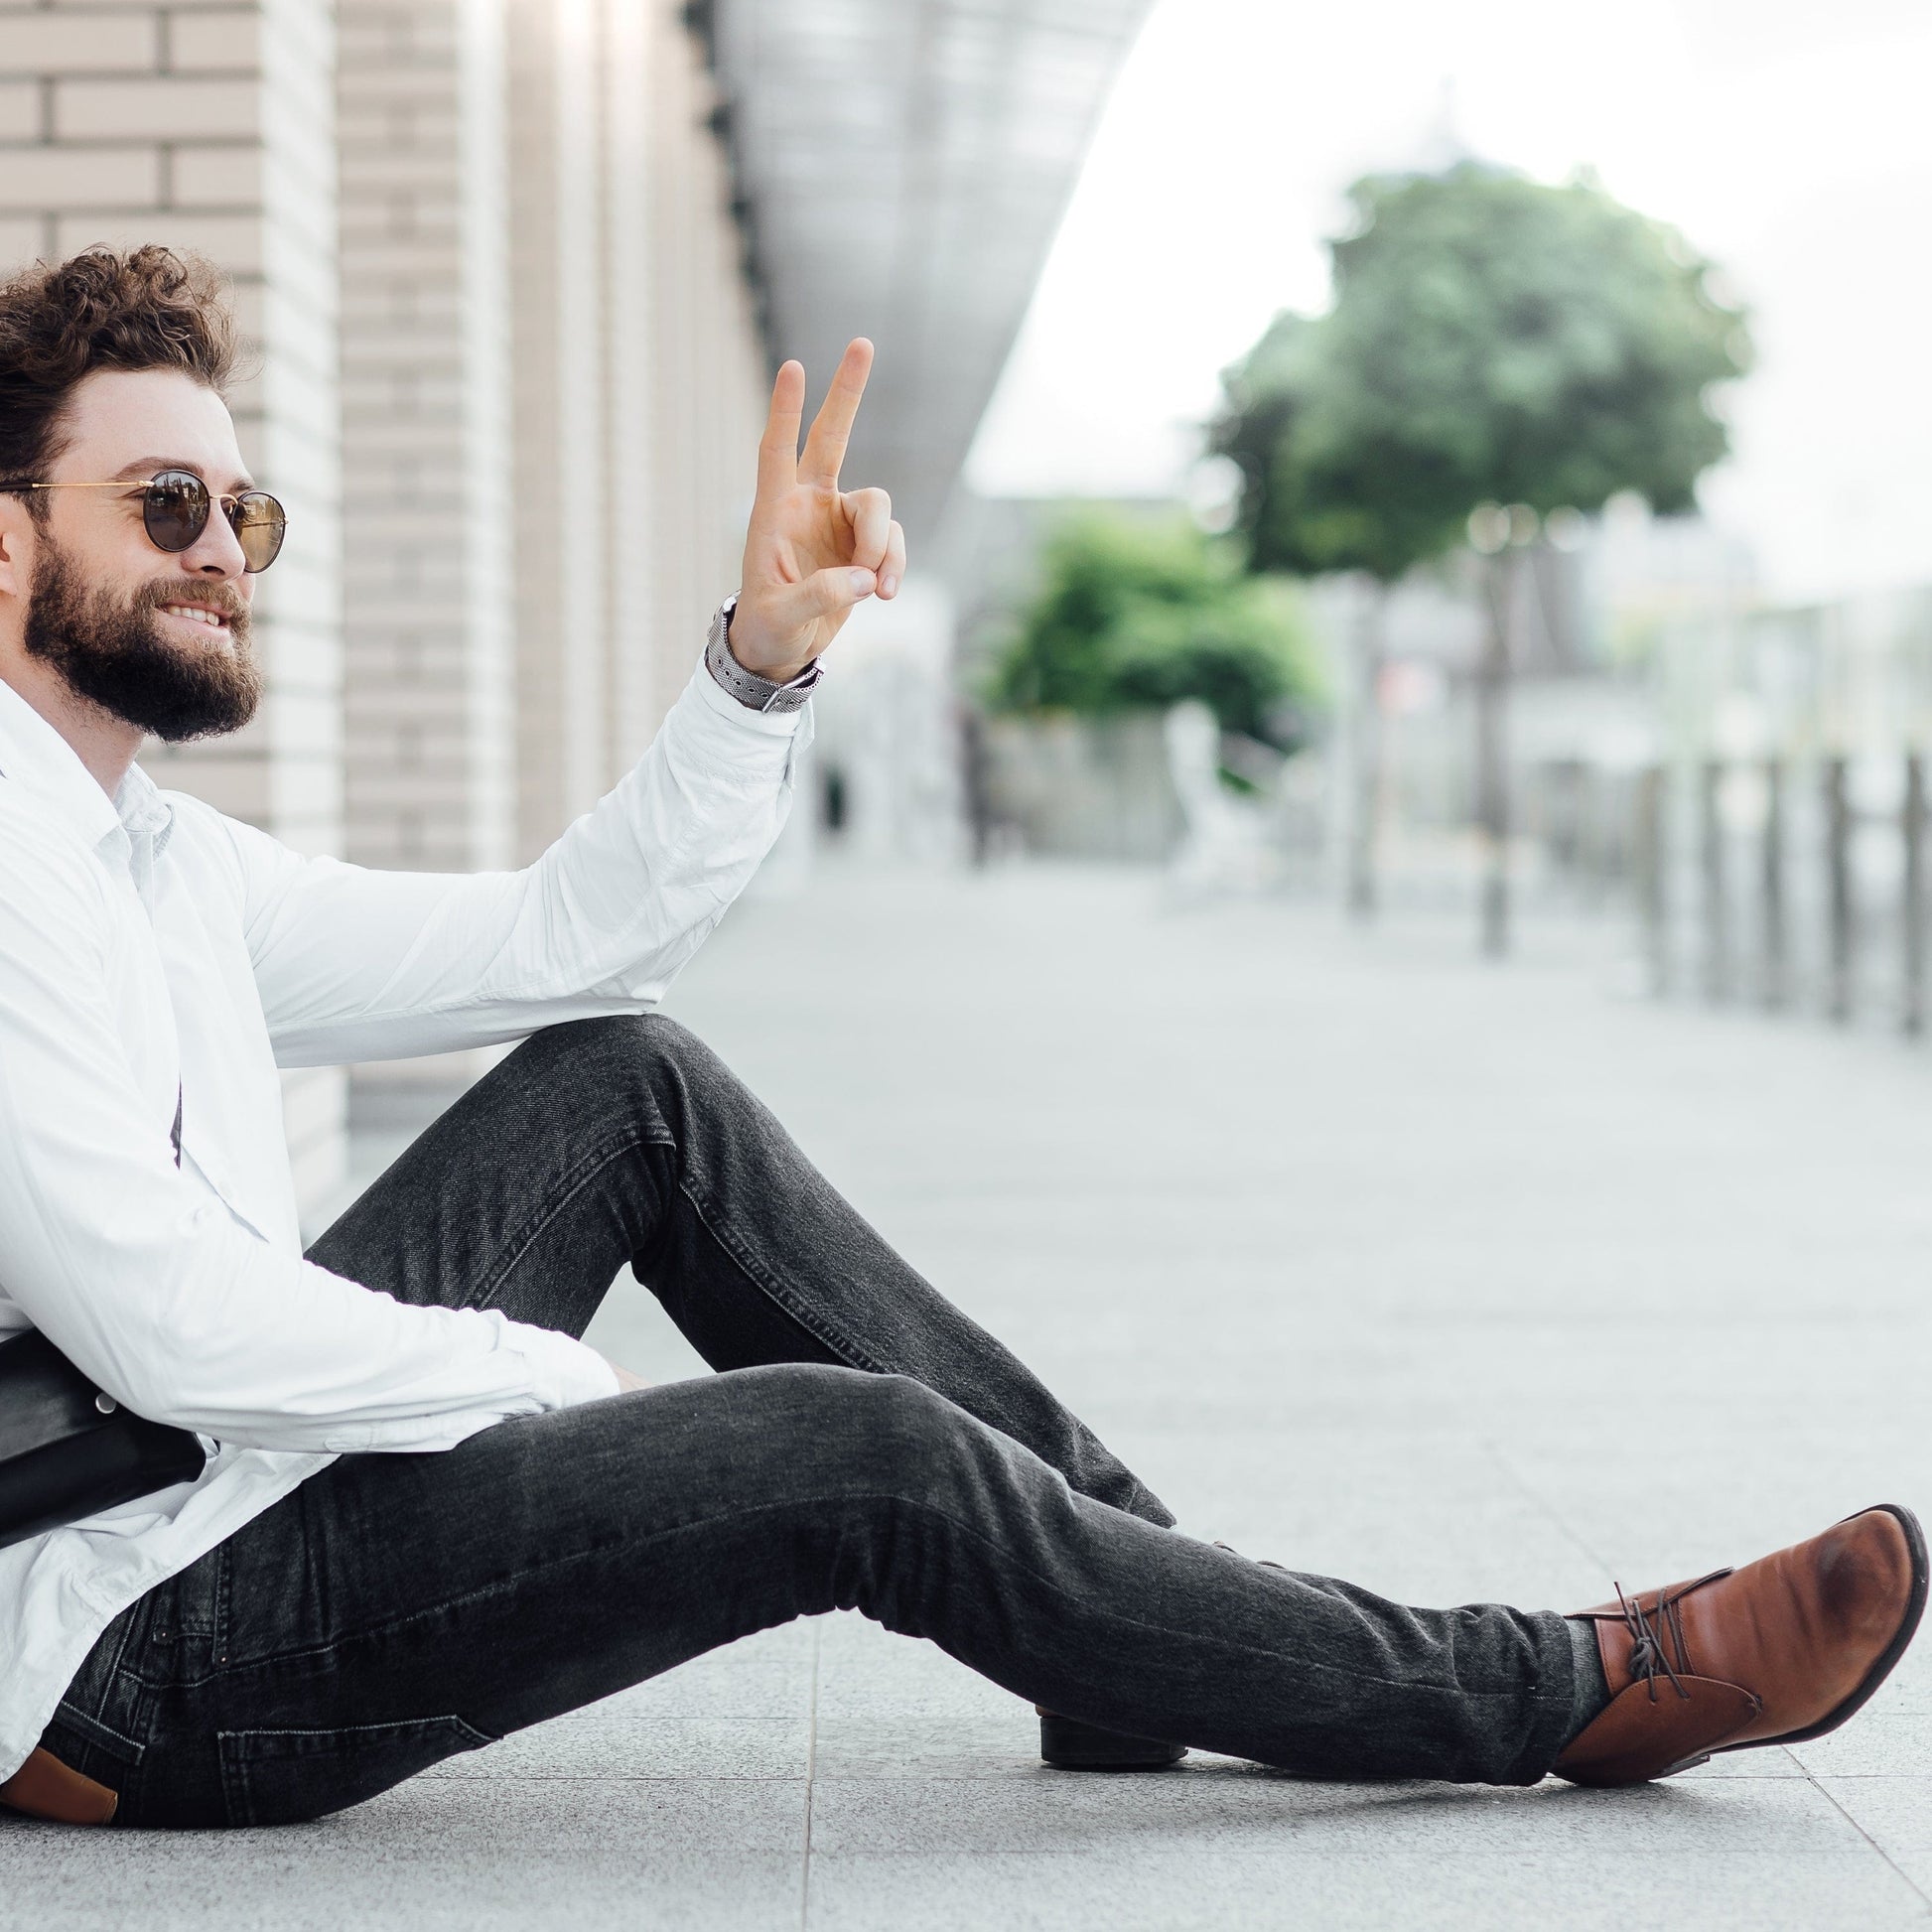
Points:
(1070, 1745)
(1888, 1659)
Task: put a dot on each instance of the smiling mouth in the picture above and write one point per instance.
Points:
(201, 614)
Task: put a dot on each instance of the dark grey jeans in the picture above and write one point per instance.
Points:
(866, 1447)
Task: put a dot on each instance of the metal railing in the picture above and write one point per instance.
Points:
(1789, 883)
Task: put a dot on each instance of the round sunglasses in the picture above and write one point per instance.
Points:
(176, 505)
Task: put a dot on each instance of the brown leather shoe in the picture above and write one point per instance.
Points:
(1784, 1649)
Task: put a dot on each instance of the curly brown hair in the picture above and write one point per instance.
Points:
(143, 308)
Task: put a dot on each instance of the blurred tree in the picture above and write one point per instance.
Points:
(1491, 342)
(1138, 611)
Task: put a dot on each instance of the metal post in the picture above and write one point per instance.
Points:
(1773, 966)
(1838, 866)
(1911, 1015)
(1647, 864)
(1592, 860)
(1493, 753)
(1710, 868)
(1365, 668)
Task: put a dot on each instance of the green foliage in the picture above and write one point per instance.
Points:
(1491, 340)
(1139, 612)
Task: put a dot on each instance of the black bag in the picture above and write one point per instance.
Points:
(67, 1450)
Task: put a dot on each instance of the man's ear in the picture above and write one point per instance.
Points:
(15, 545)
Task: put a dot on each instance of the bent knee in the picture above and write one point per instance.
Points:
(623, 1048)
(871, 1422)
(891, 1435)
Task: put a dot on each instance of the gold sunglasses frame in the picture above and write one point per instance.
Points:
(215, 498)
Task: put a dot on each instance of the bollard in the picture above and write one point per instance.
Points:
(1772, 966)
(1711, 881)
(1647, 869)
(1911, 1005)
(1492, 754)
(1837, 869)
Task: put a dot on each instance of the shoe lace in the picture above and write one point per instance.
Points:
(1648, 1658)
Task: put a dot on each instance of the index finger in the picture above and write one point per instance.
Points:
(831, 425)
(778, 446)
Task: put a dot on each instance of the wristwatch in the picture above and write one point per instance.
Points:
(755, 692)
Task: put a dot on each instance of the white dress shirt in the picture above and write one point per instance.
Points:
(151, 947)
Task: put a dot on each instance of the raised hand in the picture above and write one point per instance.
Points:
(813, 551)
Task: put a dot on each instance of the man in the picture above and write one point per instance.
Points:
(431, 1515)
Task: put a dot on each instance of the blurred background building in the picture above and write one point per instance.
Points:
(515, 274)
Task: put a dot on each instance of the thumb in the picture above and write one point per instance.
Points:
(824, 594)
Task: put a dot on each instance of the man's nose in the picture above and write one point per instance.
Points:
(216, 552)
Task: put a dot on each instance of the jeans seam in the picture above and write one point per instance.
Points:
(451, 1717)
(572, 1183)
(121, 1685)
(1549, 1735)
(117, 1743)
(1193, 1635)
(717, 1227)
(218, 1634)
(310, 1653)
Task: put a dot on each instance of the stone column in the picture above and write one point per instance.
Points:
(211, 127)
(708, 364)
(557, 335)
(634, 680)
(639, 379)
(429, 529)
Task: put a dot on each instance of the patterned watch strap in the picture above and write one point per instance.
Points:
(755, 692)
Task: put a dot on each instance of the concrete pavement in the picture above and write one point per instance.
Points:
(1460, 1281)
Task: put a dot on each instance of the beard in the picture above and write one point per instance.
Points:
(113, 652)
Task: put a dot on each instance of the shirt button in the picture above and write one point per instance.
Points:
(105, 1404)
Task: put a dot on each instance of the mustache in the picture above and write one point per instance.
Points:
(223, 597)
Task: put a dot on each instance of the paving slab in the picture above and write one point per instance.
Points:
(445, 1854)
(1210, 1888)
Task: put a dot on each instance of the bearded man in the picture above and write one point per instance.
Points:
(417, 1512)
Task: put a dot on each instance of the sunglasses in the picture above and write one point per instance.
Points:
(176, 505)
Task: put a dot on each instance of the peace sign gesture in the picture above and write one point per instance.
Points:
(812, 551)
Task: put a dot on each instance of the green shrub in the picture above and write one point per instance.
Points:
(1142, 611)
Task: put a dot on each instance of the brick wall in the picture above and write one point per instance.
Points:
(211, 127)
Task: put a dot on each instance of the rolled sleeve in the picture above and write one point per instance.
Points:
(563, 1371)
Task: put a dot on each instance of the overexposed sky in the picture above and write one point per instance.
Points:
(1791, 140)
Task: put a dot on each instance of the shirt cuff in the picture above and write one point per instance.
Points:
(563, 1371)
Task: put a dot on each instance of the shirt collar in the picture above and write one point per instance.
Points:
(142, 809)
(34, 754)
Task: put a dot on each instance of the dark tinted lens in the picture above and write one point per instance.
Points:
(175, 509)
(259, 526)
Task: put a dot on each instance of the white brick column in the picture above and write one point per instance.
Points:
(634, 680)
(557, 343)
(429, 522)
(707, 378)
(211, 127)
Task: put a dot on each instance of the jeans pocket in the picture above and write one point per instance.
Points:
(281, 1777)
